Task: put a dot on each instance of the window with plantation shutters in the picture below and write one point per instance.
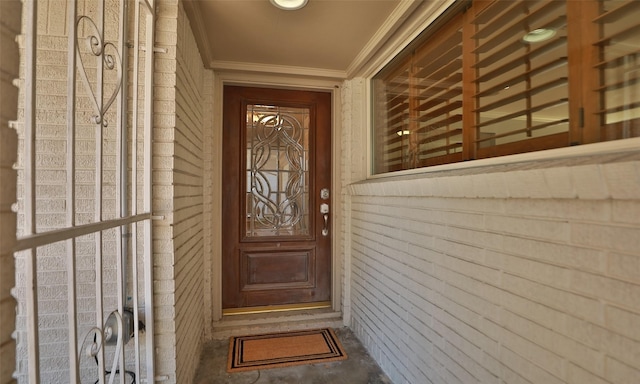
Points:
(391, 106)
(521, 84)
(419, 104)
(618, 68)
(494, 78)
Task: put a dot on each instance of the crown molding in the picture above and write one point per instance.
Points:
(415, 21)
(234, 66)
(399, 15)
(194, 14)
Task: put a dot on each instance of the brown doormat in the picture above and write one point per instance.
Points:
(284, 349)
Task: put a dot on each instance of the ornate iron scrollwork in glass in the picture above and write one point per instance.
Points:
(277, 171)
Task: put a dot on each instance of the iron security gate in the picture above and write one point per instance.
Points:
(84, 253)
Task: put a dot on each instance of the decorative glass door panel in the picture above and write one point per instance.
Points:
(277, 169)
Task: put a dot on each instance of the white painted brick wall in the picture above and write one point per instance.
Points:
(530, 275)
(178, 138)
(10, 16)
(208, 196)
(163, 162)
(50, 186)
(352, 167)
(188, 200)
(184, 97)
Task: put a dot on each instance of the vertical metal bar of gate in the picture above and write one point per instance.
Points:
(74, 368)
(148, 155)
(30, 188)
(98, 187)
(121, 177)
(134, 176)
(143, 7)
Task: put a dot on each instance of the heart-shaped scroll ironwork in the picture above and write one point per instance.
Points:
(97, 47)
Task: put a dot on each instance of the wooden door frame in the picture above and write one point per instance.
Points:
(213, 259)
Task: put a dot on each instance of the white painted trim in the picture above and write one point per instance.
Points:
(271, 80)
(216, 204)
(234, 66)
(237, 77)
(344, 228)
(346, 260)
(336, 194)
(193, 10)
(417, 22)
(595, 149)
(386, 30)
(368, 123)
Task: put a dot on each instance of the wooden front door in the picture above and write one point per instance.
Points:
(276, 236)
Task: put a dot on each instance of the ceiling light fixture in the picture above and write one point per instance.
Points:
(289, 5)
(539, 35)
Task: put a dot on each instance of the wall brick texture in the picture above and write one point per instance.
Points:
(178, 164)
(179, 90)
(352, 163)
(524, 274)
(163, 165)
(10, 16)
(51, 190)
(188, 201)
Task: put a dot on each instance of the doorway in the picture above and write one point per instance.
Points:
(276, 235)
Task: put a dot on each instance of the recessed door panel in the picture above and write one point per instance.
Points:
(278, 270)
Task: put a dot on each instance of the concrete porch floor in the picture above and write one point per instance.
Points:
(359, 368)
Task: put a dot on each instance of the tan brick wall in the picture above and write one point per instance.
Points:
(182, 86)
(10, 16)
(188, 201)
(50, 177)
(528, 273)
(352, 168)
(163, 164)
(208, 204)
(522, 289)
(178, 165)
(173, 241)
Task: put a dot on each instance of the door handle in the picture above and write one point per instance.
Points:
(325, 230)
(324, 209)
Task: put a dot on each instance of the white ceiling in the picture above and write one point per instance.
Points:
(332, 35)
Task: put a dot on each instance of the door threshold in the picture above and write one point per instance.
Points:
(276, 308)
(270, 322)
